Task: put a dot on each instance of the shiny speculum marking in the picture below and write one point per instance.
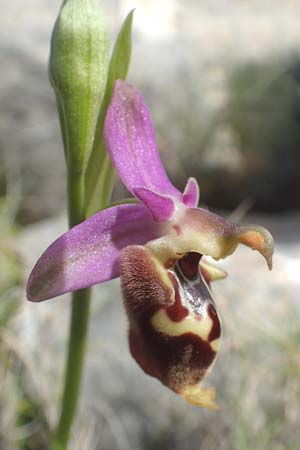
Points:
(193, 310)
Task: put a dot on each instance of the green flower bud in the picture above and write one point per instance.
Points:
(78, 70)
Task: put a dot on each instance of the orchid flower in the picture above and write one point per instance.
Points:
(157, 248)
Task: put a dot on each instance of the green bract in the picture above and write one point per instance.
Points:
(78, 73)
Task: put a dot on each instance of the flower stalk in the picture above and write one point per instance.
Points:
(78, 73)
(78, 327)
(82, 78)
(78, 335)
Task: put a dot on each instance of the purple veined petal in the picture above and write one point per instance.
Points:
(191, 194)
(89, 253)
(130, 141)
(160, 206)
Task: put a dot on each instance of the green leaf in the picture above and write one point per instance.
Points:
(99, 175)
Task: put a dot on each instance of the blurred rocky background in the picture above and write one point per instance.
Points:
(222, 80)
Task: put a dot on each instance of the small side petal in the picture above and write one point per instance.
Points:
(160, 206)
(130, 141)
(89, 253)
(191, 194)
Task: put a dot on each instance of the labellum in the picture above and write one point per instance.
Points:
(174, 328)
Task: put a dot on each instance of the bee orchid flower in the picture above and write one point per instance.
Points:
(157, 247)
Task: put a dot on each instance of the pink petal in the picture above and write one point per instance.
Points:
(89, 253)
(161, 206)
(190, 196)
(130, 141)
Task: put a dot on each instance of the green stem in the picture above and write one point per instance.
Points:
(79, 324)
(76, 207)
